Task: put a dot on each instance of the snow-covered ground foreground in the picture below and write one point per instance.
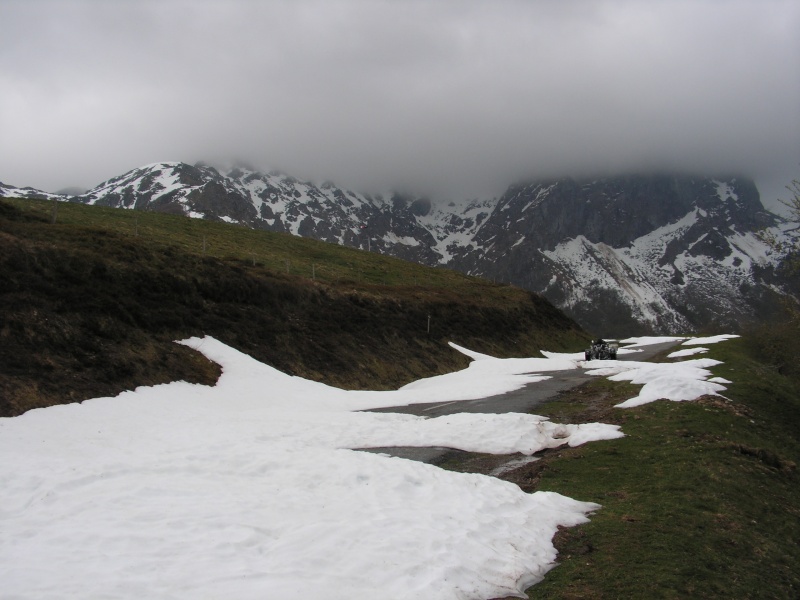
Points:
(252, 489)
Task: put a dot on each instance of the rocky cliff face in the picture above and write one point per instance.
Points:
(615, 211)
(621, 255)
(633, 254)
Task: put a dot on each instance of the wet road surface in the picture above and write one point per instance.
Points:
(523, 400)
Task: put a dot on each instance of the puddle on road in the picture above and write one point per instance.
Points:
(512, 464)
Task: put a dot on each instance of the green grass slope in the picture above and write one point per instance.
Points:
(699, 500)
(92, 298)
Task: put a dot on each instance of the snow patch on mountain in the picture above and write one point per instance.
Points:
(453, 227)
(592, 266)
(9, 191)
(725, 190)
(648, 278)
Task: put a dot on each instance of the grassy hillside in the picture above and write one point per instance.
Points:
(90, 304)
(700, 499)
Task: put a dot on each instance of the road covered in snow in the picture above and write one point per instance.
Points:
(252, 488)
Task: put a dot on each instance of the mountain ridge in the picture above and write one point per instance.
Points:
(657, 253)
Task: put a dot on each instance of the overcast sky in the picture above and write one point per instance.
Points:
(451, 97)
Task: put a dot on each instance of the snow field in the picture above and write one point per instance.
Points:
(681, 381)
(252, 489)
(687, 352)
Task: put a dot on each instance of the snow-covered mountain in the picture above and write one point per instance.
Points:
(275, 202)
(668, 253)
(629, 255)
(9, 191)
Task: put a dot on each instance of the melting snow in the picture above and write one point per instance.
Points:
(678, 382)
(251, 489)
(392, 238)
(686, 380)
(167, 180)
(687, 352)
(709, 340)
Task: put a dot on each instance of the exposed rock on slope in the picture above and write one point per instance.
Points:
(634, 254)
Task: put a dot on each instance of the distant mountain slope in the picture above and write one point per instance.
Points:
(275, 202)
(9, 191)
(621, 255)
(634, 254)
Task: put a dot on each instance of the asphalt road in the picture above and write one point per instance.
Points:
(523, 400)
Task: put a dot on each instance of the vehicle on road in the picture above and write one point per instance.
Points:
(602, 350)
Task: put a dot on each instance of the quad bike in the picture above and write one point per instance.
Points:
(601, 350)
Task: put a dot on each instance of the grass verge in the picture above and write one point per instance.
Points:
(699, 500)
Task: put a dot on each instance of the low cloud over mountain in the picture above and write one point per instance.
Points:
(450, 98)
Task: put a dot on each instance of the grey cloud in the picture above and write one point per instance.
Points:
(454, 96)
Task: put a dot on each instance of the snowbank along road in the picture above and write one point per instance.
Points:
(523, 400)
(251, 488)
